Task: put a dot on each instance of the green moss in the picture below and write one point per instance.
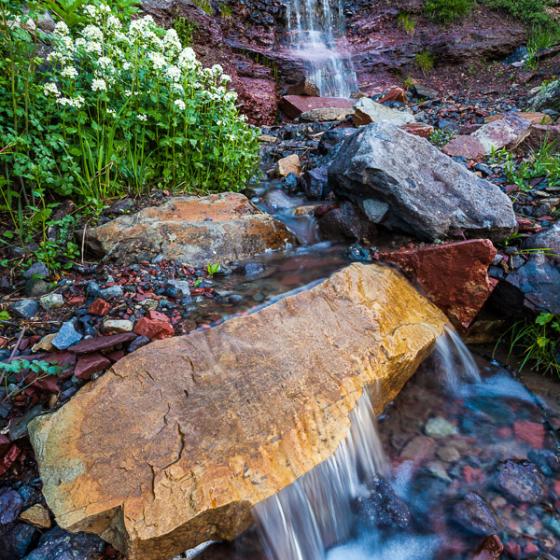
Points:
(448, 11)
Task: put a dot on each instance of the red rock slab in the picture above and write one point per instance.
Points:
(101, 343)
(395, 93)
(539, 134)
(90, 364)
(156, 329)
(529, 432)
(419, 129)
(294, 105)
(99, 307)
(464, 146)
(453, 275)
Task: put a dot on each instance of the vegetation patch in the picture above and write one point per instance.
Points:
(118, 107)
(537, 343)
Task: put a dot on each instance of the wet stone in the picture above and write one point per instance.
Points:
(16, 539)
(448, 453)
(11, 504)
(439, 428)
(547, 461)
(382, 508)
(51, 301)
(520, 481)
(475, 515)
(57, 544)
(36, 270)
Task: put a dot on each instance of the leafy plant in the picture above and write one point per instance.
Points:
(440, 137)
(407, 22)
(425, 61)
(5, 315)
(71, 11)
(17, 375)
(119, 107)
(532, 12)
(537, 342)
(447, 11)
(213, 269)
(185, 30)
(542, 163)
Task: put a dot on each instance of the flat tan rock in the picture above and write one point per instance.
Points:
(179, 440)
(194, 230)
(38, 516)
(289, 164)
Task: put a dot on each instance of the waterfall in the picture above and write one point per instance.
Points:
(313, 514)
(301, 521)
(456, 361)
(315, 31)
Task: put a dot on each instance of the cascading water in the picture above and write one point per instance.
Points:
(301, 521)
(315, 513)
(315, 35)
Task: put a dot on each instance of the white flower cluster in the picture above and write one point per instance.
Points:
(106, 54)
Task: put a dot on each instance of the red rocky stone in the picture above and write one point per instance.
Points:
(395, 93)
(9, 459)
(490, 549)
(90, 364)
(419, 129)
(294, 105)
(154, 328)
(529, 432)
(5, 444)
(453, 275)
(465, 146)
(116, 355)
(99, 307)
(101, 343)
(472, 475)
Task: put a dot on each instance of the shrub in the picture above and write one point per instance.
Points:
(407, 23)
(117, 108)
(537, 342)
(544, 162)
(425, 61)
(447, 11)
(531, 12)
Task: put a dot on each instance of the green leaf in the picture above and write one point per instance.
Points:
(544, 319)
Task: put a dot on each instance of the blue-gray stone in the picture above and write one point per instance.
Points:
(67, 336)
(92, 289)
(36, 270)
(11, 504)
(57, 544)
(25, 308)
(112, 292)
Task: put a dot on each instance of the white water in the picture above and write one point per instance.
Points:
(306, 519)
(456, 361)
(301, 521)
(316, 34)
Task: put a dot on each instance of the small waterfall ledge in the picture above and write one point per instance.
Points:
(313, 514)
(316, 34)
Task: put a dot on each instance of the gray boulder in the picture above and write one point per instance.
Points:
(428, 194)
(548, 97)
(548, 241)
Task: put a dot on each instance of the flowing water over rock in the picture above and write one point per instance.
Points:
(464, 462)
(304, 520)
(316, 34)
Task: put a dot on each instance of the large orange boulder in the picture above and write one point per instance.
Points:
(194, 230)
(176, 443)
